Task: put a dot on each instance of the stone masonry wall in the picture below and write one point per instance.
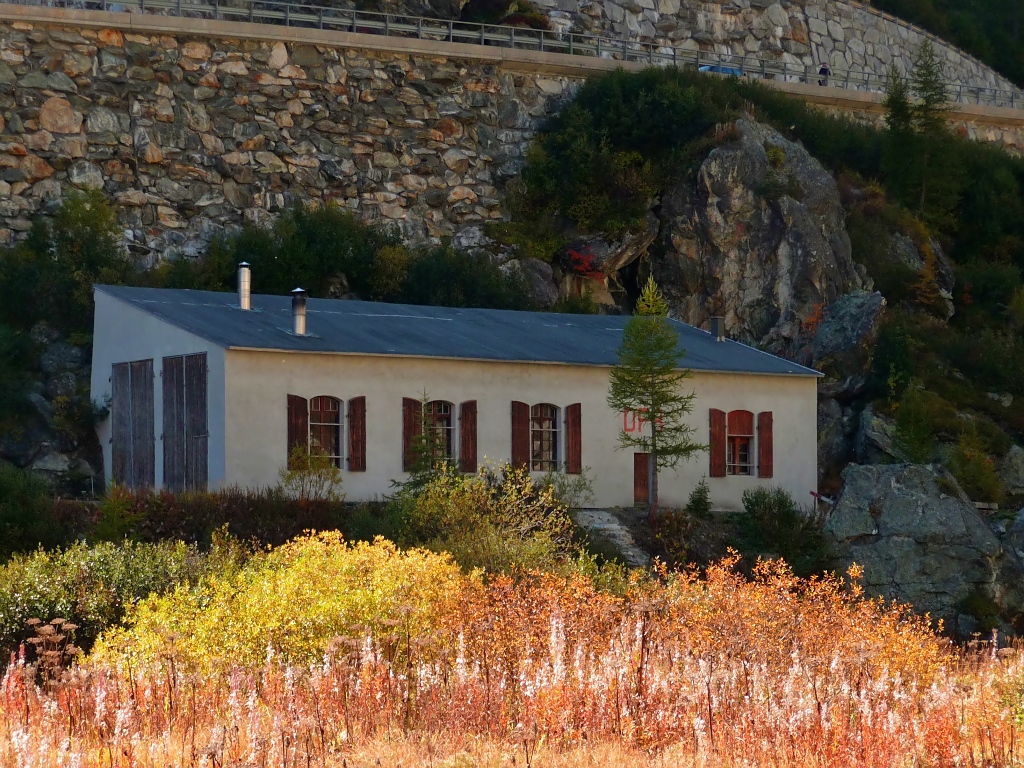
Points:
(190, 135)
(799, 32)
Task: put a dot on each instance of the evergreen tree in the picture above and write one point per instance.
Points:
(648, 381)
(931, 104)
(900, 159)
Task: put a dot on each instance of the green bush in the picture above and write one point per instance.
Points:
(783, 529)
(498, 520)
(448, 278)
(27, 518)
(16, 360)
(266, 516)
(94, 586)
(50, 275)
(975, 470)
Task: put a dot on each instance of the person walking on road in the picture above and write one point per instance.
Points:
(824, 72)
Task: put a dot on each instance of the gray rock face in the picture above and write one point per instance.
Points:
(833, 447)
(844, 344)
(903, 251)
(609, 256)
(541, 281)
(876, 439)
(920, 541)
(1011, 471)
(759, 241)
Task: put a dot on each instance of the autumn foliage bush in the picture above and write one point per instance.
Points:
(324, 650)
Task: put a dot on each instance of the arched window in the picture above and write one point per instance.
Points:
(325, 427)
(740, 433)
(544, 438)
(439, 420)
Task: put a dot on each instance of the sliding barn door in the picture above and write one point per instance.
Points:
(186, 428)
(133, 449)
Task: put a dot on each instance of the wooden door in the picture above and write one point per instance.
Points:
(132, 439)
(641, 478)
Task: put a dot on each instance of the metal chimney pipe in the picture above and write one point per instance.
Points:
(299, 312)
(244, 286)
(718, 328)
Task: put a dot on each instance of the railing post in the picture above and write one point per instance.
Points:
(142, 6)
(481, 34)
(785, 77)
(571, 36)
(451, 32)
(675, 60)
(623, 49)
(387, 24)
(698, 59)
(179, 7)
(512, 37)
(541, 40)
(650, 53)
(599, 39)
(287, 14)
(321, 14)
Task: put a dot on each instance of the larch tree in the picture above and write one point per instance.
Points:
(648, 381)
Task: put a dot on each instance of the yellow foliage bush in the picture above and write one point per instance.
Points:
(291, 603)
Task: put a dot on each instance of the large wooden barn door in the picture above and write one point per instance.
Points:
(133, 448)
(186, 431)
(641, 478)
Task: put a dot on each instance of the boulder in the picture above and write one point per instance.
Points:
(1011, 471)
(608, 256)
(540, 281)
(921, 541)
(875, 442)
(844, 343)
(760, 239)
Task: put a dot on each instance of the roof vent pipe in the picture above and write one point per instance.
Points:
(718, 328)
(299, 312)
(244, 286)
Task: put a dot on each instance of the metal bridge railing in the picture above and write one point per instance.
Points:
(316, 16)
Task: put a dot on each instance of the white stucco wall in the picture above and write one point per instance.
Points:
(122, 334)
(258, 383)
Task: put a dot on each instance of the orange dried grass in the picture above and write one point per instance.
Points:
(711, 671)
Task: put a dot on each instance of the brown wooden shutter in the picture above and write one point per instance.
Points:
(412, 427)
(741, 424)
(717, 446)
(467, 436)
(765, 445)
(357, 434)
(520, 434)
(574, 439)
(298, 423)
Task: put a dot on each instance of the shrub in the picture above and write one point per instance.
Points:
(699, 503)
(448, 278)
(27, 517)
(785, 530)
(499, 520)
(50, 276)
(390, 272)
(975, 470)
(94, 586)
(915, 427)
(311, 476)
(266, 516)
(290, 603)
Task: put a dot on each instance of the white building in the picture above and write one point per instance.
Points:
(206, 393)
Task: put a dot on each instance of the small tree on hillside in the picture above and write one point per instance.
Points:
(648, 381)
(929, 110)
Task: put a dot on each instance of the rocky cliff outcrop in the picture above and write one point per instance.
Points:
(921, 541)
(759, 238)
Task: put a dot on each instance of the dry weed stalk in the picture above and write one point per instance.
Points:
(547, 671)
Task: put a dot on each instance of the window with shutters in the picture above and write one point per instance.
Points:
(544, 438)
(739, 441)
(325, 428)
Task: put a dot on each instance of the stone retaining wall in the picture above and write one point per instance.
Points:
(803, 33)
(191, 135)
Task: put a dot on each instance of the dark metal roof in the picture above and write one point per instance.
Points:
(370, 328)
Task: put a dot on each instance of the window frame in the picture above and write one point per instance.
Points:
(737, 443)
(546, 459)
(338, 458)
(442, 422)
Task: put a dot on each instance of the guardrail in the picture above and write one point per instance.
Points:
(316, 16)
